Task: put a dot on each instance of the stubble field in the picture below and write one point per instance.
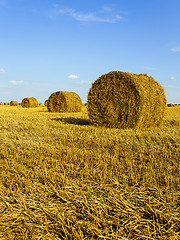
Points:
(61, 178)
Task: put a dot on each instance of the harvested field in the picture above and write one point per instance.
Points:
(62, 178)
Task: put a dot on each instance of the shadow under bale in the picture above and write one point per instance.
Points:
(75, 121)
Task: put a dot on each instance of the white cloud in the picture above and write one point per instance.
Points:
(105, 15)
(13, 82)
(149, 68)
(175, 49)
(172, 78)
(72, 76)
(2, 70)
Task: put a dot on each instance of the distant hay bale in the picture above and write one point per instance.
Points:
(126, 100)
(45, 103)
(63, 101)
(170, 105)
(14, 103)
(29, 102)
(6, 103)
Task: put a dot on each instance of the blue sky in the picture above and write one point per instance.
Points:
(65, 45)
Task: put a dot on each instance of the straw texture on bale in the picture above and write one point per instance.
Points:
(126, 100)
(14, 103)
(63, 101)
(29, 102)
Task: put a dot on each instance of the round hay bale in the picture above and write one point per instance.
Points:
(126, 100)
(170, 105)
(63, 101)
(29, 102)
(45, 103)
(14, 103)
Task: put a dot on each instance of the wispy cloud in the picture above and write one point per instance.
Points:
(104, 15)
(72, 76)
(2, 2)
(13, 82)
(84, 82)
(172, 86)
(148, 68)
(172, 78)
(175, 49)
(2, 70)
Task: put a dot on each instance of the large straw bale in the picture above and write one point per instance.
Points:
(126, 100)
(29, 102)
(13, 103)
(63, 101)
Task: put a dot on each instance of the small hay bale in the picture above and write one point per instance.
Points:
(14, 103)
(126, 100)
(45, 103)
(29, 102)
(63, 101)
(170, 105)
